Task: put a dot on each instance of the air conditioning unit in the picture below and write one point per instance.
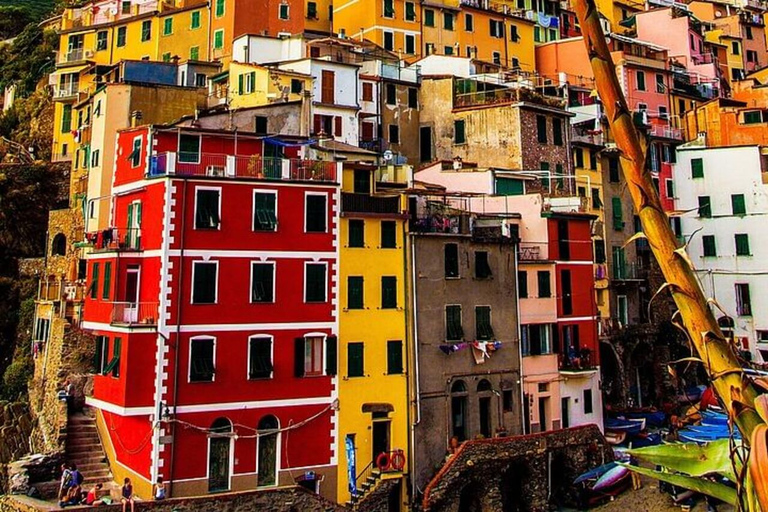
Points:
(218, 171)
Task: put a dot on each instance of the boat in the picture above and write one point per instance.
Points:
(704, 435)
(610, 478)
(628, 426)
(643, 440)
(652, 417)
(595, 473)
(614, 437)
(714, 418)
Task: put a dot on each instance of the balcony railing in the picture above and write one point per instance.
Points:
(531, 252)
(241, 166)
(49, 290)
(629, 272)
(116, 239)
(364, 203)
(135, 313)
(66, 90)
(587, 138)
(576, 361)
(377, 145)
(392, 174)
(666, 131)
(74, 55)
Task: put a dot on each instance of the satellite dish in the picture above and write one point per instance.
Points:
(388, 155)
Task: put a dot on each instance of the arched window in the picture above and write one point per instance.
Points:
(459, 410)
(484, 390)
(268, 451)
(484, 385)
(59, 245)
(220, 452)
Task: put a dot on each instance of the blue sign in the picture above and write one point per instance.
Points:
(349, 444)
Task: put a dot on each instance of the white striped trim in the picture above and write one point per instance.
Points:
(297, 326)
(261, 404)
(576, 318)
(218, 253)
(119, 410)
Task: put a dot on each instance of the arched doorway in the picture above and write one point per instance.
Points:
(459, 411)
(220, 453)
(268, 451)
(484, 394)
(59, 245)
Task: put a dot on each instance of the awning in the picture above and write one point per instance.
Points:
(70, 70)
(289, 143)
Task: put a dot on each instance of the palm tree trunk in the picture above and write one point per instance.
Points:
(718, 356)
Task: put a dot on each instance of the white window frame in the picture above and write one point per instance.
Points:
(249, 83)
(327, 222)
(287, 11)
(189, 357)
(104, 354)
(194, 214)
(199, 145)
(384, 38)
(231, 457)
(405, 49)
(271, 358)
(133, 146)
(192, 288)
(278, 453)
(274, 281)
(325, 288)
(619, 300)
(667, 183)
(323, 354)
(253, 209)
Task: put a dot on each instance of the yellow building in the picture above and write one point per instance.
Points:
(319, 14)
(734, 52)
(392, 24)
(104, 33)
(373, 385)
(616, 11)
(252, 85)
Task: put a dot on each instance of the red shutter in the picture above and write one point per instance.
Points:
(328, 87)
(318, 123)
(367, 92)
(367, 131)
(337, 128)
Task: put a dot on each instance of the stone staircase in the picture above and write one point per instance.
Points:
(84, 449)
(364, 487)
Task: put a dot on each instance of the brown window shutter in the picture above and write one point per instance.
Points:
(367, 131)
(318, 124)
(337, 127)
(328, 86)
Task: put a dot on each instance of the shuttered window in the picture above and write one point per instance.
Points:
(114, 364)
(543, 280)
(742, 244)
(459, 132)
(483, 328)
(66, 119)
(315, 282)
(260, 358)
(710, 249)
(705, 207)
(388, 292)
(207, 208)
(316, 213)
(453, 328)
(738, 204)
(388, 234)
(697, 168)
(146, 30)
(201, 366)
(94, 288)
(355, 293)
(264, 211)
(451, 260)
(204, 276)
(262, 282)
(107, 280)
(355, 360)
(394, 357)
(327, 84)
(356, 233)
(101, 355)
(618, 216)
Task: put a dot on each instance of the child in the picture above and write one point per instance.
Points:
(158, 492)
(127, 494)
(93, 496)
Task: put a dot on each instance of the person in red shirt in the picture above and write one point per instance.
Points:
(93, 496)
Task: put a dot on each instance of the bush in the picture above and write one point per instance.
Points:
(16, 378)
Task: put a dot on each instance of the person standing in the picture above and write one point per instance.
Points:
(127, 494)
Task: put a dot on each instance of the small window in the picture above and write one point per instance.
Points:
(513, 36)
(660, 86)
(669, 188)
(618, 214)
(101, 356)
(600, 256)
(367, 91)
(356, 233)
(394, 134)
(557, 132)
(613, 170)
(146, 30)
(195, 20)
(459, 135)
(207, 208)
(710, 249)
(135, 156)
(413, 97)
(59, 245)
(453, 328)
(697, 168)
(496, 58)
(742, 244)
(389, 8)
(469, 22)
(296, 86)
(705, 207)
(597, 203)
(429, 18)
(194, 53)
(219, 11)
(587, 401)
(451, 252)
(201, 359)
(260, 357)
(94, 288)
(389, 41)
(391, 94)
(106, 288)
(483, 328)
(545, 289)
(204, 282)
(121, 36)
(262, 125)
(743, 301)
(410, 11)
(541, 129)
(640, 80)
(355, 292)
(388, 292)
(315, 282)
(394, 357)
(522, 284)
(388, 234)
(167, 26)
(482, 266)
(218, 39)
(316, 213)
(189, 148)
(735, 48)
(448, 21)
(283, 11)
(101, 40)
(738, 205)
(264, 211)
(355, 359)
(312, 10)
(309, 356)
(262, 282)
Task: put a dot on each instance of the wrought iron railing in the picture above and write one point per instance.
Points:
(364, 203)
(134, 313)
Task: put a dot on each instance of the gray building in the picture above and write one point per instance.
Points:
(467, 352)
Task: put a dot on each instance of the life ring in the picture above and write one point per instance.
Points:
(397, 461)
(383, 461)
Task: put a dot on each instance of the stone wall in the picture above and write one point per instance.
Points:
(493, 474)
(283, 499)
(15, 428)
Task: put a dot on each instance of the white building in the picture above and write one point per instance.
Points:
(729, 249)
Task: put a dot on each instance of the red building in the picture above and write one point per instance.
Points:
(213, 302)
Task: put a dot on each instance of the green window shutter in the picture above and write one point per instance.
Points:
(98, 355)
(298, 357)
(265, 214)
(522, 284)
(618, 216)
(410, 11)
(619, 263)
(121, 36)
(263, 282)
(331, 356)
(429, 18)
(483, 328)
(453, 329)
(709, 245)
(95, 281)
(146, 30)
(66, 119)
(459, 135)
(355, 362)
(545, 287)
(204, 285)
(509, 187)
(107, 280)
(315, 287)
(394, 357)
(742, 245)
(705, 207)
(355, 297)
(388, 292)
(194, 53)
(738, 204)
(544, 166)
(697, 168)
(115, 363)
(240, 84)
(356, 233)
(260, 360)
(253, 81)
(388, 234)
(195, 20)
(168, 26)
(219, 8)
(316, 214)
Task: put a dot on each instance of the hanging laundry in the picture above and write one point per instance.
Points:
(449, 348)
(479, 354)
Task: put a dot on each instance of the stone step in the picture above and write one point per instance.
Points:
(87, 458)
(74, 430)
(89, 439)
(88, 466)
(84, 448)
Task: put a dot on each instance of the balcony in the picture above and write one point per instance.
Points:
(577, 364)
(116, 240)
(377, 145)
(66, 91)
(751, 19)
(134, 314)
(49, 291)
(393, 175)
(629, 272)
(754, 4)
(364, 203)
(531, 252)
(241, 167)
(594, 138)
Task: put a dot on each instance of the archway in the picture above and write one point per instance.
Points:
(59, 245)
(268, 451)
(220, 455)
(484, 395)
(459, 410)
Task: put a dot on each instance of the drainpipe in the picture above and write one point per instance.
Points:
(178, 332)
(523, 405)
(408, 338)
(415, 362)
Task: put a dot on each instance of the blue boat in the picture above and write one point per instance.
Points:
(652, 418)
(714, 418)
(702, 434)
(628, 426)
(642, 441)
(594, 474)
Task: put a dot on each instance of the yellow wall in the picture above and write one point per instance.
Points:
(371, 262)
(354, 15)
(183, 37)
(323, 22)
(268, 87)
